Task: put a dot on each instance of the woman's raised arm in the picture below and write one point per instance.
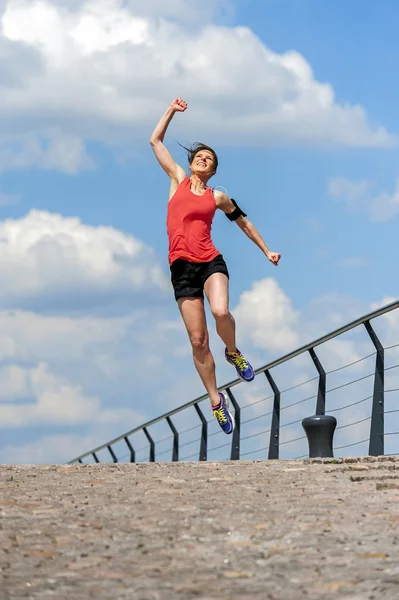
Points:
(162, 154)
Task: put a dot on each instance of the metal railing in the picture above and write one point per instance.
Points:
(374, 420)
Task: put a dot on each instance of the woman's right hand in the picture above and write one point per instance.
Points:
(179, 105)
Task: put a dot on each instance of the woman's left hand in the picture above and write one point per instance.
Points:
(274, 257)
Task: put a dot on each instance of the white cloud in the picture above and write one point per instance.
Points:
(62, 262)
(111, 356)
(352, 192)
(54, 150)
(360, 198)
(91, 372)
(53, 401)
(266, 317)
(13, 383)
(342, 352)
(179, 10)
(26, 336)
(91, 366)
(385, 206)
(103, 70)
(330, 311)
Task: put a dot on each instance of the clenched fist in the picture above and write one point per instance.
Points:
(274, 257)
(179, 105)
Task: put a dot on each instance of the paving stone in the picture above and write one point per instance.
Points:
(249, 530)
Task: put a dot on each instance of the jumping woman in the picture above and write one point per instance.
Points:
(196, 265)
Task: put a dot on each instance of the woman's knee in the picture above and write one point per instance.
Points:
(199, 341)
(220, 312)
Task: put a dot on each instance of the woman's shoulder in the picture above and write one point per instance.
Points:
(220, 197)
(219, 191)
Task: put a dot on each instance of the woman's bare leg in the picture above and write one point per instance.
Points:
(217, 291)
(193, 313)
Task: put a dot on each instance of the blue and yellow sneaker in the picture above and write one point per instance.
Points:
(243, 368)
(223, 415)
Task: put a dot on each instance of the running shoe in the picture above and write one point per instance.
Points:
(243, 368)
(223, 416)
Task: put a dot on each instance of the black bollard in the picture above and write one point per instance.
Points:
(319, 430)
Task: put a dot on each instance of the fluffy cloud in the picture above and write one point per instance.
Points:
(95, 377)
(360, 197)
(110, 357)
(26, 336)
(91, 337)
(48, 399)
(55, 401)
(179, 10)
(56, 149)
(353, 192)
(266, 317)
(13, 383)
(80, 353)
(61, 262)
(102, 70)
(385, 206)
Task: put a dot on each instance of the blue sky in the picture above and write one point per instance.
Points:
(318, 181)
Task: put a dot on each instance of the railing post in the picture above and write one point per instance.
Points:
(95, 457)
(175, 452)
(112, 453)
(152, 444)
(376, 445)
(274, 444)
(321, 392)
(235, 442)
(203, 453)
(132, 452)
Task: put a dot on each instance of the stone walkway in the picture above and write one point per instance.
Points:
(271, 530)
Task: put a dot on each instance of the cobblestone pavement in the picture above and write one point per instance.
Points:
(271, 530)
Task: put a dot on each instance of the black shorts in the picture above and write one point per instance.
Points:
(188, 278)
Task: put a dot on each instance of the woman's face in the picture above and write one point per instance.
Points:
(203, 163)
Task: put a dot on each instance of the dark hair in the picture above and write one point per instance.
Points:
(197, 147)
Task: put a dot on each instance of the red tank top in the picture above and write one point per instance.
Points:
(189, 224)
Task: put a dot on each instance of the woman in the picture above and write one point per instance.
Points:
(196, 265)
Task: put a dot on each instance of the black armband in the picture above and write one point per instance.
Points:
(237, 212)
